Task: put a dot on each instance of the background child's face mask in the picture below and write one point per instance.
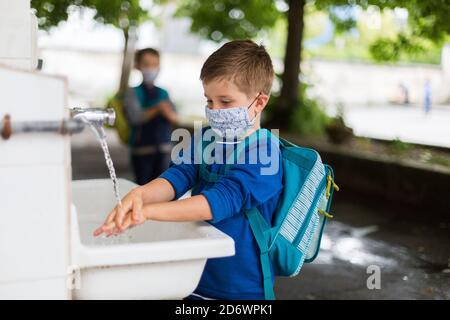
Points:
(149, 75)
(230, 123)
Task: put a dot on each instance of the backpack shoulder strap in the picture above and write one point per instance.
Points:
(253, 138)
(140, 94)
(258, 225)
(203, 172)
(162, 93)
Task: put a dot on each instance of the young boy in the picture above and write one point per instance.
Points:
(237, 80)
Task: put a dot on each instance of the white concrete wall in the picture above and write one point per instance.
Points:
(35, 181)
(17, 34)
(35, 174)
(355, 83)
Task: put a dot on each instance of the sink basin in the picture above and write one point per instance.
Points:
(156, 260)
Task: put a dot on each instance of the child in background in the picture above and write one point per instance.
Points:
(150, 113)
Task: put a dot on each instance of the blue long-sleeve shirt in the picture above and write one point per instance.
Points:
(243, 187)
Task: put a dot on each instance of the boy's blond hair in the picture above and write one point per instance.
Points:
(244, 62)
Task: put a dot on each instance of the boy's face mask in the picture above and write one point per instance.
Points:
(149, 75)
(230, 123)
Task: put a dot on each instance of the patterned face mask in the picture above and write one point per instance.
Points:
(230, 123)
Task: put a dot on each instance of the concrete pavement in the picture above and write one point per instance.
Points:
(407, 123)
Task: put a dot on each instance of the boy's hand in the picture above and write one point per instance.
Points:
(125, 216)
(112, 229)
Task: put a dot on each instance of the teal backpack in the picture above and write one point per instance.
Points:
(299, 220)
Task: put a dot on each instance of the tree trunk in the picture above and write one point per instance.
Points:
(127, 58)
(290, 97)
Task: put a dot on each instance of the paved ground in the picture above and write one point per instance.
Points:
(412, 253)
(413, 256)
(408, 123)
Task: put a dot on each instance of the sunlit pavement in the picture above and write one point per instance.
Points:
(407, 123)
(412, 253)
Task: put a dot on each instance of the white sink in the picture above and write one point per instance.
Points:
(157, 260)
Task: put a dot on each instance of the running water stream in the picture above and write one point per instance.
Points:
(99, 132)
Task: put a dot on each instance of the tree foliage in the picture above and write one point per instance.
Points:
(119, 13)
(123, 14)
(233, 19)
(427, 22)
(229, 19)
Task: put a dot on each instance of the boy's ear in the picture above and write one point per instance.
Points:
(261, 102)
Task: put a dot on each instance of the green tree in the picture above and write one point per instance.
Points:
(427, 21)
(51, 13)
(123, 14)
(233, 19)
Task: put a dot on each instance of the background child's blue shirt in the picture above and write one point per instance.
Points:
(242, 188)
(155, 131)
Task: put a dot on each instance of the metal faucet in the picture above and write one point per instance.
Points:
(97, 115)
(76, 124)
